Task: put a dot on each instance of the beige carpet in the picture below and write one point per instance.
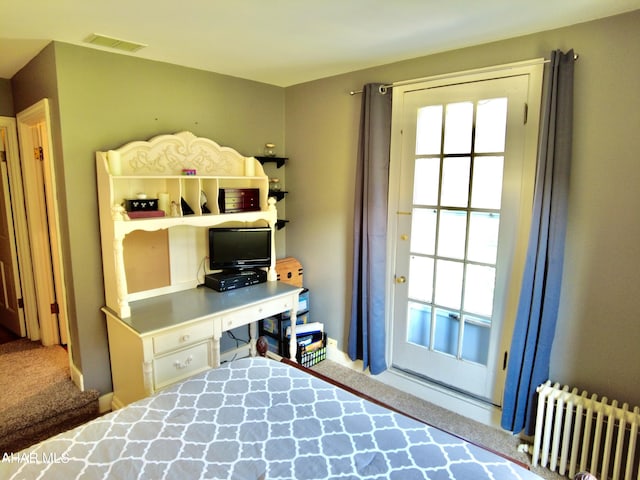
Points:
(37, 397)
(480, 434)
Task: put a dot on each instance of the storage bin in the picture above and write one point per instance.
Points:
(303, 304)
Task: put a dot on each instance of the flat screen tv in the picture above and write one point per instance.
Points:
(239, 248)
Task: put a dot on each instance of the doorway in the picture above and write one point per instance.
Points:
(40, 200)
(463, 159)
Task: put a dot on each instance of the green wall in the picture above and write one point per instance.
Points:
(596, 342)
(106, 100)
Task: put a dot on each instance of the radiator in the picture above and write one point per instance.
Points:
(577, 432)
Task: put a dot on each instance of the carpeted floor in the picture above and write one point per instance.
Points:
(37, 397)
(480, 434)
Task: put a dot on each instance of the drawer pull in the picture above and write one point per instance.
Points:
(185, 338)
(182, 365)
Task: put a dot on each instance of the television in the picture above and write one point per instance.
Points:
(239, 248)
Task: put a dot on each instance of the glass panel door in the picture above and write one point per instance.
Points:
(462, 158)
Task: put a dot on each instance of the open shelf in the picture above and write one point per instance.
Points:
(279, 161)
(280, 224)
(278, 195)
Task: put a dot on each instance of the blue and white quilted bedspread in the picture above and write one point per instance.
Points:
(256, 419)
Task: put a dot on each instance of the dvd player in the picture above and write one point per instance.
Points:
(223, 281)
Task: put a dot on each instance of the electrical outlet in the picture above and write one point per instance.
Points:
(332, 343)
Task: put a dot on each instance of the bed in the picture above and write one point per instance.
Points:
(256, 418)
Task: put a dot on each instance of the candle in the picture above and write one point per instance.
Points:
(249, 167)
(115, 166)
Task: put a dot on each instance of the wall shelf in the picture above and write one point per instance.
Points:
(278, 195)
(279, 161)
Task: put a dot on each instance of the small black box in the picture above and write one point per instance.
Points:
(221, 282)
(141, 204)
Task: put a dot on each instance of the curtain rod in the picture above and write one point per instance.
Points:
(383, 88)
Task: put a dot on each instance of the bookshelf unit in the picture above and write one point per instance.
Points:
(163, 334)
(153, 167)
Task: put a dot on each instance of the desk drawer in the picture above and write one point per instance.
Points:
(182, 337)
(181, 364)
(255, 313)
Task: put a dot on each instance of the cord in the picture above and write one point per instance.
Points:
(237, 340)
(202, 266)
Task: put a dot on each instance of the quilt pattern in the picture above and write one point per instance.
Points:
(257, 419)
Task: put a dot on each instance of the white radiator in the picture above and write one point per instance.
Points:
(575, 433)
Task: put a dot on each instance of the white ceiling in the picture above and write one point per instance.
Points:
(284, 42)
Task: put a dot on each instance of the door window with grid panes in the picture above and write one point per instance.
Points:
(464, 171)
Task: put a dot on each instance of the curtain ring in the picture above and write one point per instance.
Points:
(382, 89)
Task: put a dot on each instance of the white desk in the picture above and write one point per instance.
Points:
(171, 337)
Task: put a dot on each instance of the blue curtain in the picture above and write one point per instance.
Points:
(367, 338)
(535, 325)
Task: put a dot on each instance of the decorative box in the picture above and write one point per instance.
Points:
(231, 200)
(141, 204)
(289, 271)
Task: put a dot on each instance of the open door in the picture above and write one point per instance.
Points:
(11, 303)
(42, 214)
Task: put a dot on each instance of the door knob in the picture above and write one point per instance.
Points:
(401, 279)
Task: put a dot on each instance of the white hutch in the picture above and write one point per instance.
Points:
(163, 324)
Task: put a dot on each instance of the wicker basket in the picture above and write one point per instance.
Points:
(310, 358)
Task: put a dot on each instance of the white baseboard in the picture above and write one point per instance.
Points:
(343, 359)
(105, 403)
(76, 376)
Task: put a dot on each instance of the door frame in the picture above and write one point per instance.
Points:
(53, 328)
(29, 312)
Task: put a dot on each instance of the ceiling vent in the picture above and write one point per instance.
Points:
(115, 43)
